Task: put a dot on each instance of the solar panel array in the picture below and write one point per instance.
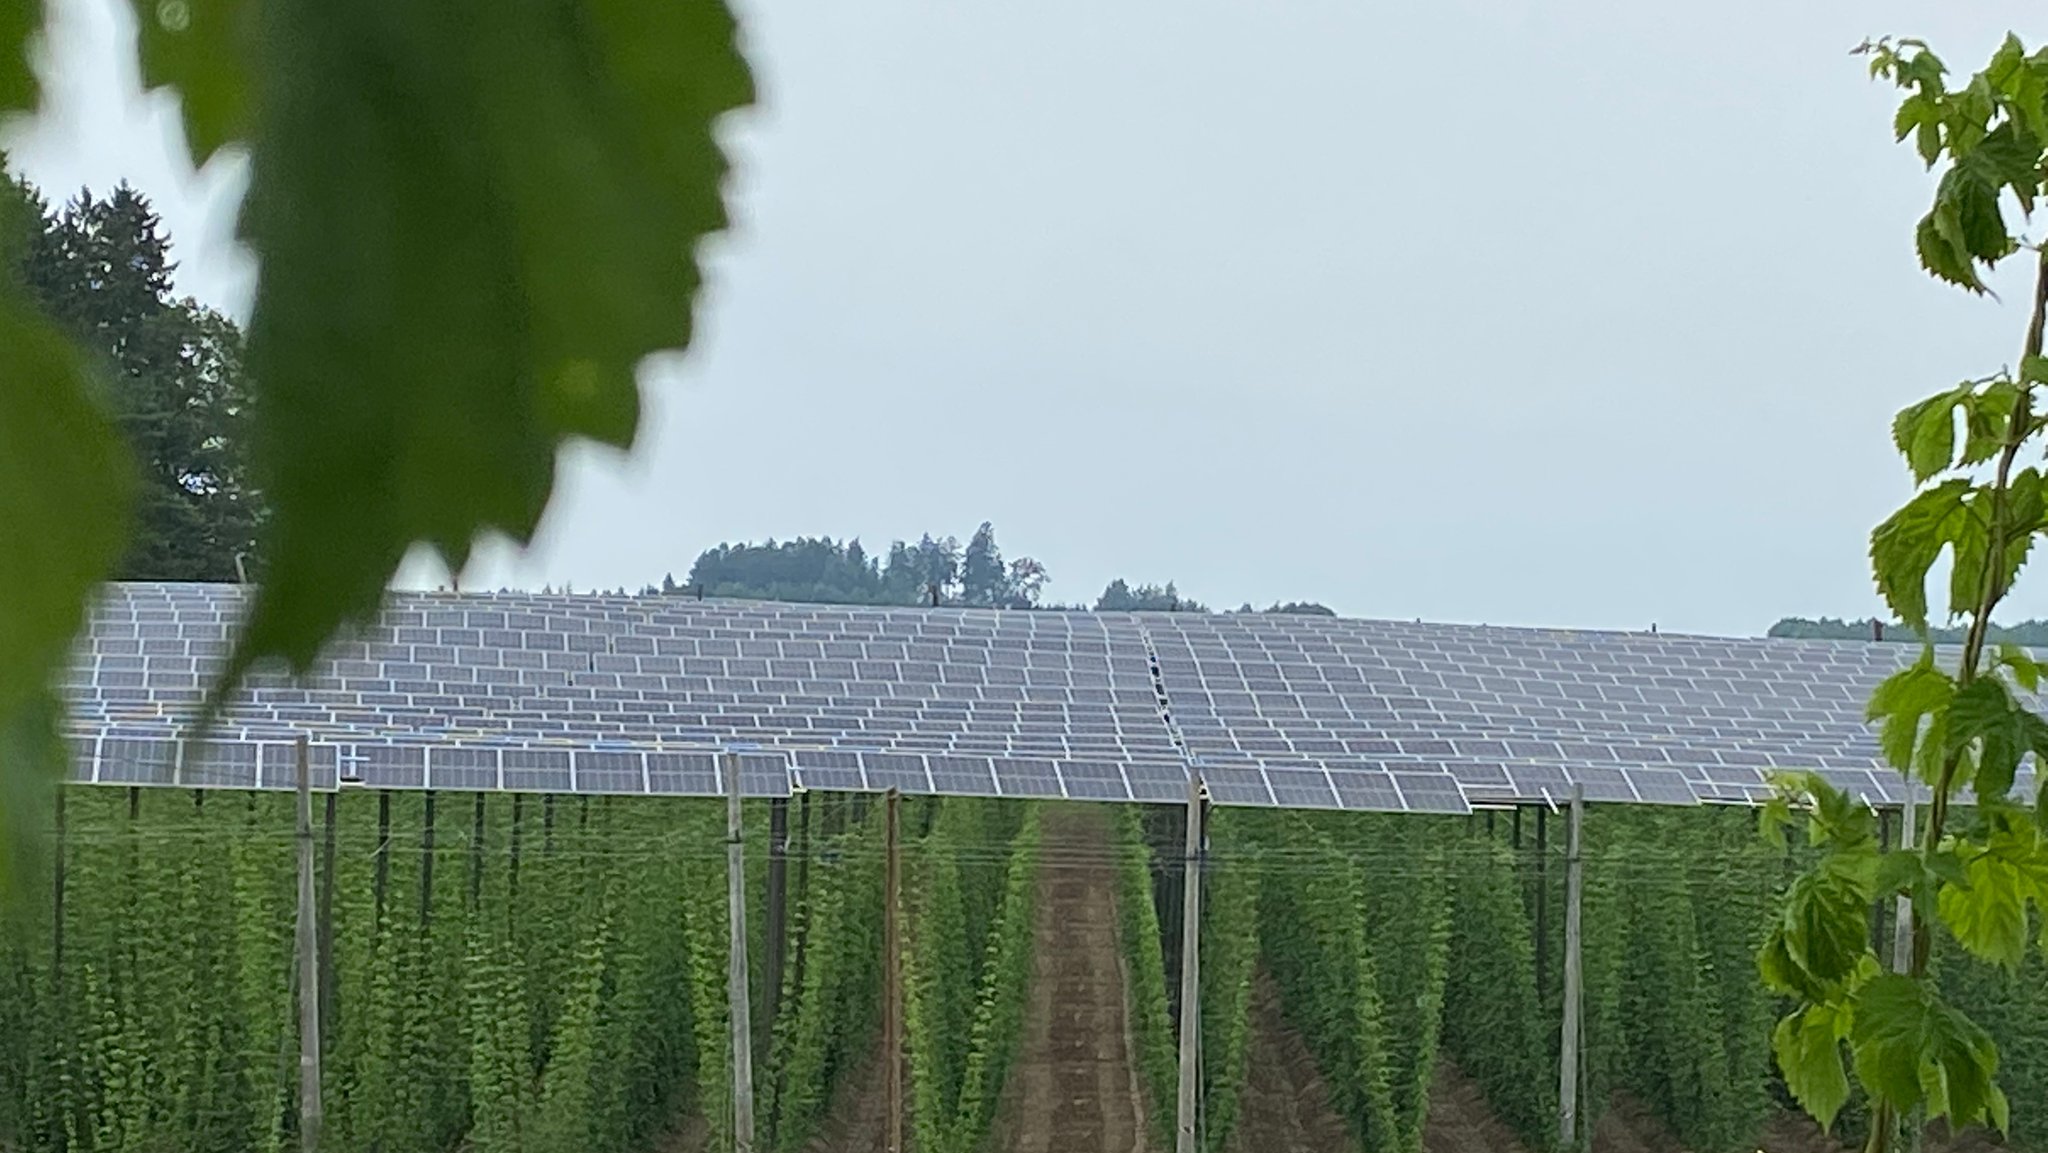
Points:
(643, 695)
(1329, 709)
(635, 694)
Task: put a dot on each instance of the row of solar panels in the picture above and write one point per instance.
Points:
(1286, 711)
(1417, 787)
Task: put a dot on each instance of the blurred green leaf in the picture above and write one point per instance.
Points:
(2025, 669)
(19, 20)
(475, 220)
(1808, 1045)
(202, 48)
(1901, 871)
(65, 486)
(31, 762)
(1911, 1049)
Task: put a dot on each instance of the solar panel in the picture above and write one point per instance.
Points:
(1522, 714)
(644, 694)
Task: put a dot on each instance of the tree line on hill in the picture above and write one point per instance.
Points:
(935, 570)
(2032, 633)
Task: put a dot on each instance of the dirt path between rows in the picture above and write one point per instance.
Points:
(1460, 1120)
(856, 1120)
(1284, 1106)
(1074, 1086)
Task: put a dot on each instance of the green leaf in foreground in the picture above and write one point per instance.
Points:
(1904, 547)
(1808, 1045)
(1988, 915)
(475, 220)
(202, 48)
(65, 484)
(19, 20)
(1903, 702)
(1912, 1049)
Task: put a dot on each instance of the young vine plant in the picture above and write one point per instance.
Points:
(1955, 722)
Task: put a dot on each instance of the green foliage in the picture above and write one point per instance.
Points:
(65, 484)
(172, 374)
(405, 156)
(1674, 1027)
(964, 997)
(1153, 1036)
(2031, 633)
(168, 1021)
(2013, 1007)
(824, 571)
(1360, 952)
(1409, 917)
(1901, 1029)
(1991, 131)
(1005, 977)
(17, 83)
(1494, 1023)
(1230, 955)
(1119, 597)
(831, 996)
(205, 49)
(1911, 1049)
(1953, 727)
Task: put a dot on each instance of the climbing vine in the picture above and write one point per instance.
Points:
(1312, 918)
(164, 1017)
(1958, 724)
(1230, 950)
(831, 998)
(1157, 1048)
(1495, 1025)
(967, 966)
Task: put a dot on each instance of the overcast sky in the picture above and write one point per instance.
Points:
(1577, 313)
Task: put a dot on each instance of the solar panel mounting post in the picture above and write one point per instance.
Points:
(1568, 1055)
(1542, 900)
(308, 939)
(736, 965)
(1190, 970)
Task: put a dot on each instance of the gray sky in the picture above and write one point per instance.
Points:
(1580, 313)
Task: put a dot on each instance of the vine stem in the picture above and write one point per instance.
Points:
(2019, 426)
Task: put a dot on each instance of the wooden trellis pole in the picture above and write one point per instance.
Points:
(1568, 1056)
(736, 965)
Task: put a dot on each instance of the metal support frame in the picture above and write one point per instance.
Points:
(1190, 971)
(1542, 900)
(1568, 1050)
(736, 965)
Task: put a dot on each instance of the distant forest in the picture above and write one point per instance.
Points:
(2031, 633)
(935, 570)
